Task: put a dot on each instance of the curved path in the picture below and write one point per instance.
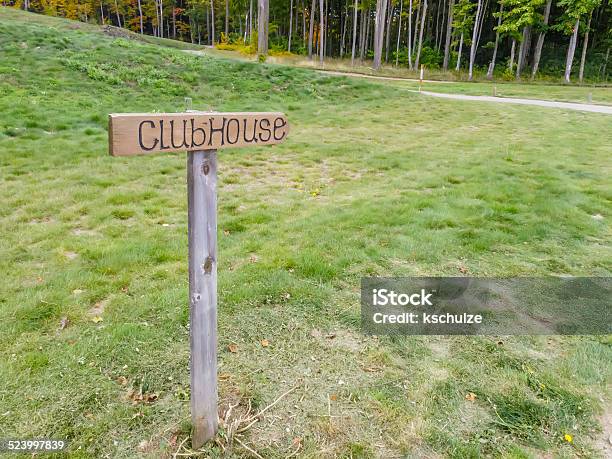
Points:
(606, 109)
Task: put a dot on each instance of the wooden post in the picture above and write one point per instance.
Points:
(202, 230)
(145, 133)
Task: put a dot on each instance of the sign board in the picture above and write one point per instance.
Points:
(200, 134)
(145, 133)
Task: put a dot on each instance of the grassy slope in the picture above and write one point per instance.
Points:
(368, 183)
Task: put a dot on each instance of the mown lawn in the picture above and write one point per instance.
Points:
(372, 181)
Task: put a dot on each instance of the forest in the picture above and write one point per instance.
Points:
(522, 39)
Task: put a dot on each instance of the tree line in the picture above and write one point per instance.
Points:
(508, 38)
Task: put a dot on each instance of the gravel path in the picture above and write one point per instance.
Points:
(540, 103)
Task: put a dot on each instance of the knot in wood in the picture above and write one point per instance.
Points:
(208, 263)
(205, 168)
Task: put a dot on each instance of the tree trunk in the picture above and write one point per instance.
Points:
(423, 16)
(437, 26)
(102, 12)
(491, 68)
(570, 52)
(354, 33)
(173, 22)
(584, 49)
(474, 45)
(449, 31)
(540, 43)
(459, 53)
(117, 14)
(321, 30)
(290, 24)
(512, 49)
(250, 21)
(140, 13)
(161, 18)
(388, 30)
(410, 36)
(519, 61)
(312, 13)
(605, 66)
(262, 28)
(399, 33)
(379, 30)
(212, 23)
(226, 19)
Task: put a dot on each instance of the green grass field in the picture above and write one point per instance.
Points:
(372, 181)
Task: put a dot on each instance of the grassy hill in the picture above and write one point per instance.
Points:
(372, 181)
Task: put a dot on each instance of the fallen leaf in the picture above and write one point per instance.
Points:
(463, 269)
(265, 343)
(297, 441)
(224, 376)
(471, 396)
(122, 380)
(330, 336)
(226, 232)
(233, 348)
(77, 291)
(150, 398)
(96, 319)
(253, 258)
(143, 445)
(333, 397)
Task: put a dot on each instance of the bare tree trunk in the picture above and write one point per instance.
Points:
(584, 49)
(474, 45)
(262, 28)
(212, 22)
(226, 19)
(367, 35)
(354, 32)
(449, 31)
(522, 57)
(379, 30)
(346, 22)
(388, 30)
(410, 36)
(102, 12)
(423, 16)
(250, 21)
(540, 43)
(290, 24)
(437, 24)
(173, 21)
(161, 18)
(399, 33)
(459, 53)
(312, 11)
(140, 13)
(321, 29)
(605, 66)
(512, 50)
(304, 22)
(117, 14)
(571, 49)
(491, 68)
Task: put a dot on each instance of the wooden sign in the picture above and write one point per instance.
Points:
(145, 133)
(201, 134)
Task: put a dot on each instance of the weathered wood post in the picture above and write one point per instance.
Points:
(202, 235)
(200, 134)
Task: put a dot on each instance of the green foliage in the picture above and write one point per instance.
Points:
(423, 187)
